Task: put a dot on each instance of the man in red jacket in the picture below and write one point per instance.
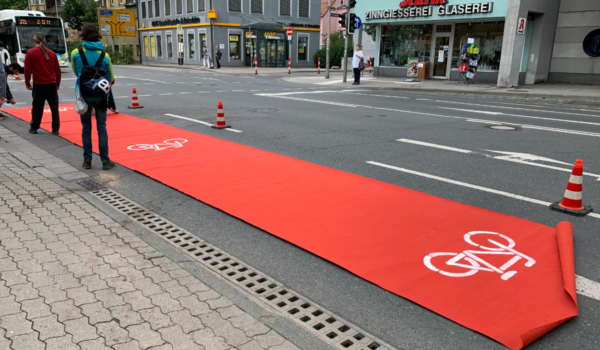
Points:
(43, 64)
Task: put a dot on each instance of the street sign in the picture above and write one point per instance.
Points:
(117, 22)
(521, 25)
(212, 14)
(290, 31)
(358, 22)
(179, 29)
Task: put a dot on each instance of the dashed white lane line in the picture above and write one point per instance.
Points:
(587, 287)
(144, 95)
(198, 121)
(522, 116)
(518, 108)
(184, 93)
(427, 144)
(167, 94)
(464, 184)
(237, 90)
(121, 97)
(526, 126)
(149, 83)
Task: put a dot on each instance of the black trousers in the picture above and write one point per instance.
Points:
(356, 75)
(41, 94)
(111, 100)
(218, 63)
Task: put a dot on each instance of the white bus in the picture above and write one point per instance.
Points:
(16, 35)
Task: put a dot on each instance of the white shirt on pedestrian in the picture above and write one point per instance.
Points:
(356, 60)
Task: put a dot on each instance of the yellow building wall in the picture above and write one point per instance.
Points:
(121, 41)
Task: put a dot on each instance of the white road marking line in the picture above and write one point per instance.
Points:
(149, 83)
(222, 91)
(422, 99)
(587, 287)
(523, 116)
(20, 103)
(314, 101)
(131, 84)
(121, 97)
(69, 100)
(254, 90)
(464, 184)
(203, 92)
(189, 119)
(233, 130)
(505, 158)
(526, 126)
(165, 94)
(521, 109)
(237, 90)
(375, 95)
(144, 95)
(183, 93)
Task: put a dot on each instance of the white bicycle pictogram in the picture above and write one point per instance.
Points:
(170, 143)
(60, 109)
(477, 263)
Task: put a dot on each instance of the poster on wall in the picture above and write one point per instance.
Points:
(152, 46)
(413, 63)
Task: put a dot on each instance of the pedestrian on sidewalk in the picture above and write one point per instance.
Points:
(218, 55)
(93, 50)
(42, 63)
(356, 60)
(2, 87)
(206, 60)
(10, 70)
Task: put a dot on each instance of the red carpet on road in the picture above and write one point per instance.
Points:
(508, 278)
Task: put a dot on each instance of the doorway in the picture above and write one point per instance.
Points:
(442, 51)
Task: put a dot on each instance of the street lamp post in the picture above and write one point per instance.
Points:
(328, 42)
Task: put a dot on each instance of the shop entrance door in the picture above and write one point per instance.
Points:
(276, 53)
(441, 57)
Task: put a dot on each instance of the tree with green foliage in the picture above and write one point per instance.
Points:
(13, 4)
(336, 50)
(79, 12)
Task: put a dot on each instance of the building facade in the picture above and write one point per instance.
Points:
(242, 29)
(121, 41)
(520, 41)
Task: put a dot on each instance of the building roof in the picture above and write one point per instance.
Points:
(130, 3)
(324, 7)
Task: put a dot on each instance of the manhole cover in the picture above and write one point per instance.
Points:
(263, 110)
(502, 127)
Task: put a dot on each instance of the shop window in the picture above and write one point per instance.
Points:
(143, 10)
(191, 46)
(285, 7)
(150, 9)
(234, 47)
(190, 6)
(202, 44)
(446, 28)
(157, 8)
(159, 46)
(235, 5)
(256, 6)
(169, 46)
(398, 43)
(153, 46)
(201, 5)
(591, 43)
(303, 8)
(487, 36)
(146, 46)
(302, 48)
(33, 2)
(167, 7)
(179, 7)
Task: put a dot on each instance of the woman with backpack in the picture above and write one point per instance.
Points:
(42, 63)
(94, 73)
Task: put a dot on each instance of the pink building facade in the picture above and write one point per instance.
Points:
(335, 26)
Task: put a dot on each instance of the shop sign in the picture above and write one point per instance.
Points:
(171, 22)
(233, 38)
(521, 25)
(422, 8)
(273, 35)
(250, 35)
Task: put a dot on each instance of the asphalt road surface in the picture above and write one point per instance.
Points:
(438, 144)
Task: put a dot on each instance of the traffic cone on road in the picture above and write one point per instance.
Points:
(572, 202)
(221, 119)
(17, 77)
(134, 100)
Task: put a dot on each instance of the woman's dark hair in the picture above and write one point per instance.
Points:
(15, 66)
(90, 32)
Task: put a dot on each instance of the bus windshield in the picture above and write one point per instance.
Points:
(55, 38)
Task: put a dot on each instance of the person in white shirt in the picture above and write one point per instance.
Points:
(206, 61)
(356, 59)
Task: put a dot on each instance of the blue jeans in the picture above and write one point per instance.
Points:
(86, 134)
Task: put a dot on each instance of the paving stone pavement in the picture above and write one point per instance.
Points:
(73, 278)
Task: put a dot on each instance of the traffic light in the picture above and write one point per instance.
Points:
(342, 21)
(352, 3)
(352, 23)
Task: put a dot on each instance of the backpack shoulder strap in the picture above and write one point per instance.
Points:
(100, 59)
(82, 55)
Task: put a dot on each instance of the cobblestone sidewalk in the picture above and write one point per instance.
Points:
(73, 278)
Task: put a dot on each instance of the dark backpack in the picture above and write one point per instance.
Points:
(93, 81)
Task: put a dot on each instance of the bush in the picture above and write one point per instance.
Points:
(336, 54)
(72, 45)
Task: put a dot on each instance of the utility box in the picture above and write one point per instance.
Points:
(423, 70)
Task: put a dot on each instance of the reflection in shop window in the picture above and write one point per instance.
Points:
(234, 47)
(191, 46)
(169, 46)
(159, 46)
(398, 43)
(146, 46)
(202, 44)
(487, 36)
(302, 48)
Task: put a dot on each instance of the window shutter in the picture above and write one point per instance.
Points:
(257, 6)
(167, 7)
(190, 6)
(157, 8)
(303, 8)
(201, 6)
(284, 8)
(150, 9)
(235, 5)
(179, 7)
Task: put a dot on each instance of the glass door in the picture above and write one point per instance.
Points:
(281, 53)
(441, 57)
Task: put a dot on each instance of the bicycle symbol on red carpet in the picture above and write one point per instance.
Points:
(170, 143)
(475, 262)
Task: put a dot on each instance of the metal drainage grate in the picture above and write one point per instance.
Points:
(329, 327)
(90, 185)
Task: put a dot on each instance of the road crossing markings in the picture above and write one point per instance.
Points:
(468, 185)
(199, 121)
(506, 156)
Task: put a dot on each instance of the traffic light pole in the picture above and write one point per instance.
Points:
(346, 46)
(328, 41)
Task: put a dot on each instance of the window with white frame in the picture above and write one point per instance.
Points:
(190, 6)
(235, 5)
(150, 9)
(256, 6)
(167, 7)
(179, 7)
(303, 8)
(143, 10)
(157, 8)
(285, 7)
(201, 5)
(33, 2)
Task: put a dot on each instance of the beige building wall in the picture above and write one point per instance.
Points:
(121, 41)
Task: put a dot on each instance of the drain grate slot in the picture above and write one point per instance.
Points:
(333, 330)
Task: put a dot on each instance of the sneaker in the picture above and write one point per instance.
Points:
(108, 165)
(32, 131)
(87, 164)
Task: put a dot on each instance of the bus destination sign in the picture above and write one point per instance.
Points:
(38, 21)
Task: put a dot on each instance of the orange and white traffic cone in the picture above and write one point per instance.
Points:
(572, 202)
(17, 77)
(134, 100)
(319, 66)
(221, 119)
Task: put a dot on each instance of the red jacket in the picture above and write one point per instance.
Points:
(45, 71)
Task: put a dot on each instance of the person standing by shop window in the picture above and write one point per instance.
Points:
(42, 63)
(356, 60)
(206, 61)
(218, 55)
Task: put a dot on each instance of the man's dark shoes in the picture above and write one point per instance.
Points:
(108, 165)
(32, 131)
(55, 132)
(87, 164)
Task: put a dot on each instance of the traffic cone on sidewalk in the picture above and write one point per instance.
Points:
(572, 202)
(221, 119)
(134, 100)
(17, 77)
